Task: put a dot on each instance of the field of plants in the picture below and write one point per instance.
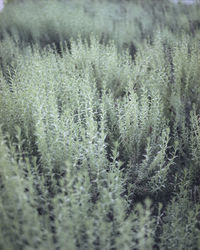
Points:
(99, 125)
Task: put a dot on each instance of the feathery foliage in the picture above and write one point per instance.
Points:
(100, 125)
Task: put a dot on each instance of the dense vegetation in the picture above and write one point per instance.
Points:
(100, 125)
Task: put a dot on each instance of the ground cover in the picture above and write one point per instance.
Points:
(100, 125)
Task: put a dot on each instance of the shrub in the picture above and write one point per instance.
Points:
(99, 149)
